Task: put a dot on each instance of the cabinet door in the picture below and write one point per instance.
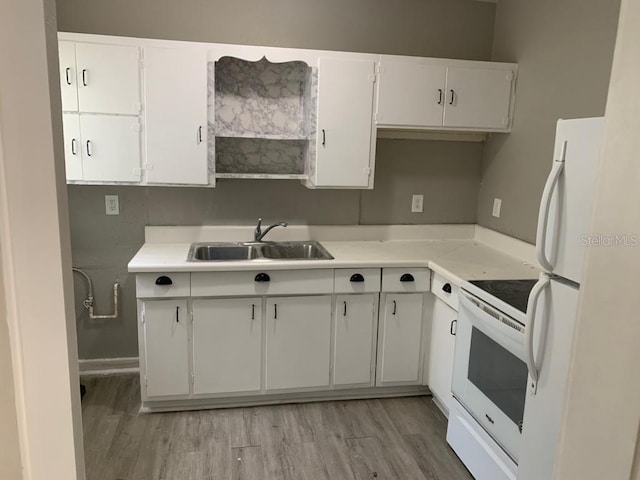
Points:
(227, 343)
(400, 342)
(355, 329)
(111, 148)
(72, 146)
(410, 94)
(298, 342)
(175, 82)
(68, 83)
(166, 341)
(441, 355)
(478, 98)
(345, 123)
(108, 78)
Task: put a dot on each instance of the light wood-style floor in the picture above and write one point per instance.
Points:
(400, 439)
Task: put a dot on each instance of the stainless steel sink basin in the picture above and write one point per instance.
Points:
(221, 252)
(295, 251)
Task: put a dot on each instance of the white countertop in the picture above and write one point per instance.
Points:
(457, 259)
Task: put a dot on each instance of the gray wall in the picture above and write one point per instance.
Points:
(564, 49)
(436, 28)
(447, 174)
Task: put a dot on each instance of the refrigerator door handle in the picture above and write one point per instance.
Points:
(543, 216)
(532, 306)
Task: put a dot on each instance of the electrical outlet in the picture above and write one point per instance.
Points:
(112, 204)
(497, 205)
(417, 203)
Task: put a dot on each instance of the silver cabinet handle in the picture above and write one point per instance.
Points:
(73, 146)
(67, 71)
(453, 97)
(84, 77)
(324, 137)
(89, 148)
(395, 307)
(199, 135)
(452, 327)
(440, 95)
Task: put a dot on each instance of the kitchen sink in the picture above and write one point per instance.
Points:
(221, 252)
(295, 251)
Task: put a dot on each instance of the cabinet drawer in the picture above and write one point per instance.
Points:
(405, 279)
(262, 282)
(445, 290)
(364, 280)
(153, 285)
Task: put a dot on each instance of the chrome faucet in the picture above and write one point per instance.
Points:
(258, 234)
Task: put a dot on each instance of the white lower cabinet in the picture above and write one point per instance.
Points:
(400, 339)
(355, 333)
(441, 354)
(205, 345)
(165, 329)
(227, 345)
(298, 342)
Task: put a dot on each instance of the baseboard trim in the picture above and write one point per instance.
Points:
(108, 366)
(282, 398)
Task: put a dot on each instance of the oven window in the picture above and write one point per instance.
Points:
(499, 374)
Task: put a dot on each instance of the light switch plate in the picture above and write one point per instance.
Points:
(417, 204)
(497, 205)
(112, 204)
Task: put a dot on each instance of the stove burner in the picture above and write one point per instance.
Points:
(512, 292)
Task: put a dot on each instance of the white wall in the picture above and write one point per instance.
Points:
(600, 432)
(34, 233)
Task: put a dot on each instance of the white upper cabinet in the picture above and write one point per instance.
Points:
(345, 134)
(110, 148)
(410, 94)
(210, 111)
(68, 84)
(444, 94)
(108, 78)
(72, 146)
(478, 97)
(175, 97)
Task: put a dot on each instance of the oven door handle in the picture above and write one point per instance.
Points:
(504, 335)
(532, 306)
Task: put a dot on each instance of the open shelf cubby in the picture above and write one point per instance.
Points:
(262, 117)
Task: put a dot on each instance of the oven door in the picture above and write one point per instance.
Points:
(489, 372)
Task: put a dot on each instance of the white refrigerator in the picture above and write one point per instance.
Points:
(563, 226)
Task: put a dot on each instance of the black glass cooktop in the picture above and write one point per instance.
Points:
(513, 292)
